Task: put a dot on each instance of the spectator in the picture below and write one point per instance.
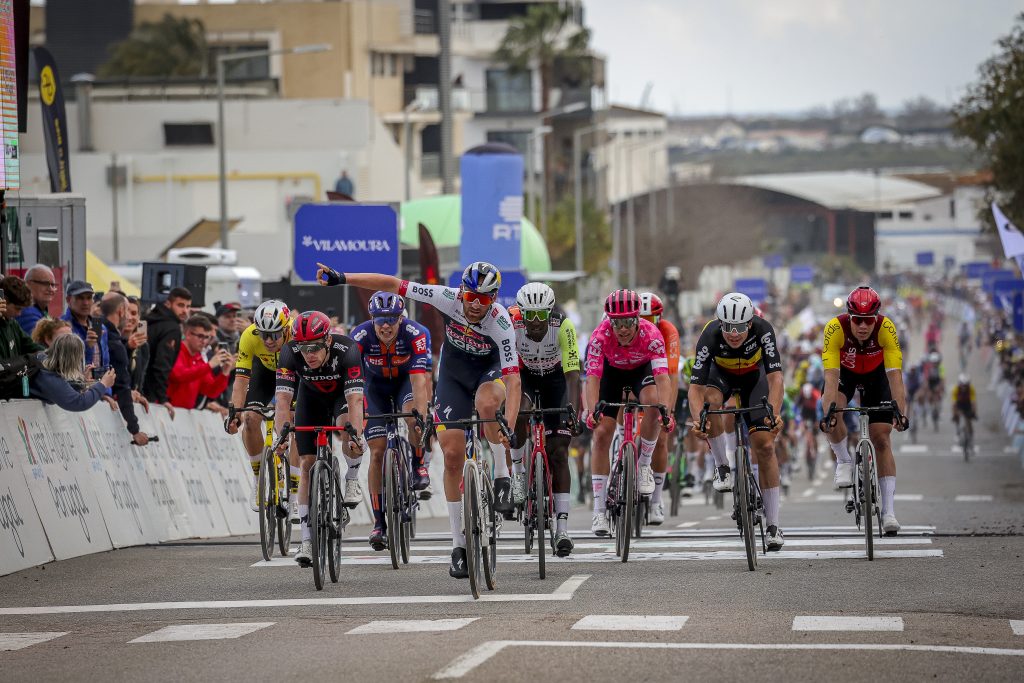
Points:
(48, 329)
(138, 345)
(90, 331)
(43, 286)
(344, 185)
(13, 340)
(62, 377)
(114, 310)
(192, 374)
(163, 336)
(230, 323)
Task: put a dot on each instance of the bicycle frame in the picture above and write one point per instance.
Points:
(398, 512)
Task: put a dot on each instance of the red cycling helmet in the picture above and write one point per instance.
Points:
(622, 303)
(311, 326)
(863, 301)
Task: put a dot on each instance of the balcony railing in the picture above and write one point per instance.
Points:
(430, 166)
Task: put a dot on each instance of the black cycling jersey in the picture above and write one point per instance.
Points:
(758, 351)
(343, 369)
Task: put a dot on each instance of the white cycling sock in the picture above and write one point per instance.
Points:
(304, 516)
(646, 451)
(842, 451)
(517, 460)
(719, 447)
(561, 511)
(598, 483)
(659, 484)
(353, 467)
(888, 486)
(730, 447)
(455, 521)
(756, 471)
(691, 462)
(500, 460)
(770, 498)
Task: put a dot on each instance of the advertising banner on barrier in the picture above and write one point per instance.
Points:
(230, 473)
(58, 479)
(166, 492)
(116, 466)
(188, 464)
(23, 542)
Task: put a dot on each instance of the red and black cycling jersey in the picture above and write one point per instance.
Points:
(343, 369)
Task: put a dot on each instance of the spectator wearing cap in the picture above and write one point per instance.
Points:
(192, 374)
(14, 341)
(43, 286)
(78, 313)
(163, 336)
(114, 310)
(230, 324)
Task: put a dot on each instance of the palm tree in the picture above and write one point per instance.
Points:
(169, 47)
(537, 38)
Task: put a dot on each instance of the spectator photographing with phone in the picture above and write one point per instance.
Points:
(192, 374)
(90, 330)
(62, 378)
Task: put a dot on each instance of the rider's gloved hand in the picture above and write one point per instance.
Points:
(590, 420)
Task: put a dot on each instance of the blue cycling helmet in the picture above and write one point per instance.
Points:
(385, 304)
(481, 277)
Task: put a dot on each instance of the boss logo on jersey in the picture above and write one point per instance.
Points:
(768, 344)
(420, 290)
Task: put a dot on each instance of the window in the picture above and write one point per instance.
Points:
(885, 215)
(516, 138)
(906, 215)
(384, 64)
(253, 68)
(508, 92)
(186, 134)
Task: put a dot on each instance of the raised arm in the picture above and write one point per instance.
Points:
(327, 276)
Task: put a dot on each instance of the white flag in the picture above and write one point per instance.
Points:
(1009, 234)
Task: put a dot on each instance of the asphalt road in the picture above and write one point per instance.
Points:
(941, 601)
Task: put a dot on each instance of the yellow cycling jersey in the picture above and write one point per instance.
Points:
(961, 397)
(250, 346)
(842, 351)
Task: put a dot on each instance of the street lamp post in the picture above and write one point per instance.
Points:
(222, 172)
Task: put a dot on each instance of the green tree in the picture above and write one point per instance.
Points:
(597, 237)
(991, 115)
(169, 47)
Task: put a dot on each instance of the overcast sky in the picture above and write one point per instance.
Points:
(759, 56)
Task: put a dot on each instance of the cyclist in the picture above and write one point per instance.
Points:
(737, 352)
(861, 349)
(697, 462)
(624, 352)
(396, 364)
(254, 388)
(934, 376)
(651, 309)
(964, 402)
(809, 406)
(324, 372)
(549, 362)
(478, 365)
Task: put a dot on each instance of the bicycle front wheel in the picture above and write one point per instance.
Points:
(409, 503)
(744, 508)
(540, 508)
(336, 523)
(392, 514)
(319, 504)
(471, 525)
(627, 495)
(284, 521)
(489, 528)
(867, 498)
(267, 487)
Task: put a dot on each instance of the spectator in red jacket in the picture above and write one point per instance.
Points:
(192, 373)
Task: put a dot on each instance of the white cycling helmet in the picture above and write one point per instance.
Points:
(964, 379)
(934, 357)
(735, 309)
(534, 296)
(272, 316)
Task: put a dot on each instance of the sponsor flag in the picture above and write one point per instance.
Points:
(1009, 234)
(55, 121)
(430, 274)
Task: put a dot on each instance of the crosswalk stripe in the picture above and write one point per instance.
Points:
(702, 543)
(1017, 626)
(847, 623)
(411, 626)
(913, 448)
(686, 525)
(516, 532)
(183, 632)
(973, 499)
(908, 496)
(17, 641)
(629, 622)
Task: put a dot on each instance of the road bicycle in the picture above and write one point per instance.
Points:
(538, 510)
(863, 502)
(676, 476)
(272, 487)
(966, 433)
(748, 506)
(481, 522)
(328, 515)
(626, 507)
(398, 500)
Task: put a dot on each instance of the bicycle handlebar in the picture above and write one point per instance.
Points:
(828, 421)
(706, 410)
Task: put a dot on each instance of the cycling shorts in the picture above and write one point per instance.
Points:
(458, 378)
(615, 380)
(550, 388)
(752, 388)
(384, 396)
(874, 391)
(262, 383)
(316, 409)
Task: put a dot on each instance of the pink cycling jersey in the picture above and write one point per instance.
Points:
(647, 345)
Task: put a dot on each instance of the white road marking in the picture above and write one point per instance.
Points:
(629, 622)
(511, 533)
(467, 662)
(1009, 449)
(913, 448)
(411, 626)
(907, 496)
(1018, 627)
(736, 542)
(183, 632)
(17, 641)
(847, 623)
(973, 499)
(686, 525)
(712, 518)
(809, 492)
(562, 593)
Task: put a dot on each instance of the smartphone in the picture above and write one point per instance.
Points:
(97, 326)
(3, 297)
(143, 326)
(97, 373)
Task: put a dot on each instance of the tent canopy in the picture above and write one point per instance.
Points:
(100, 275)
(443, 218)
